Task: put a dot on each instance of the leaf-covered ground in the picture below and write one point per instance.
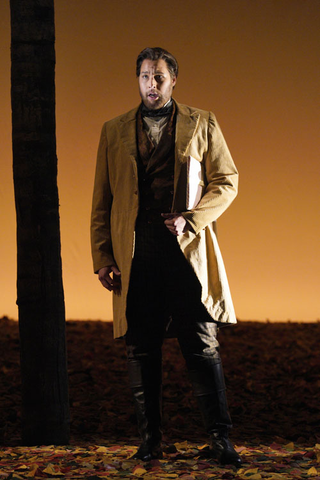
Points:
(273, 381)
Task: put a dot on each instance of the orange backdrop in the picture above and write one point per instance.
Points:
(255, 63)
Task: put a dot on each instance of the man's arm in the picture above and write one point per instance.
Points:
(101, 244)
(221, 177)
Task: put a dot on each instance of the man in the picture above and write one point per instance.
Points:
(164, 175)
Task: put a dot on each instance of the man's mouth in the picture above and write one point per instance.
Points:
(153, 96)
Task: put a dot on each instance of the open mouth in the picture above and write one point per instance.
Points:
(153, 96)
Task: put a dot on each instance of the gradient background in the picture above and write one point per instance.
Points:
(256, 64)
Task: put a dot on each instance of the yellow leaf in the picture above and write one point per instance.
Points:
(169, 475)
(312, 471)
(102, 450)
(289, 446)
(32, 459)
(277, 476)
(255, 476)
(32, 471)
(52, 469)
(182, 446)
(318, 457)
(139, 471)
(252, 470)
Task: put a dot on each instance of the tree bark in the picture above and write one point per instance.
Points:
(40, 297)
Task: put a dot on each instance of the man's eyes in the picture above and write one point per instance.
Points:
(158, 78)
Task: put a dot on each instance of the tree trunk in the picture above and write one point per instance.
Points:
(40, 298)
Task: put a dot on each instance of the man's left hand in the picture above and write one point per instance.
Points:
(175, 223)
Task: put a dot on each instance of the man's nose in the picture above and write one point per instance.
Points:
(152, 82)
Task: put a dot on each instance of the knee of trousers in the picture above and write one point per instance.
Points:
(207, 378)
(198, 340)
(144, 371)
(201, 360)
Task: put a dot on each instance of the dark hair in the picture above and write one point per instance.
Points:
(156, 53)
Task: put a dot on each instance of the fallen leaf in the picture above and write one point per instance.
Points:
(312, 471)
(139, 470)
(52, 470)
(289, 446)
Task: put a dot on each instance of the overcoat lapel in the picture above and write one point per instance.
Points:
(186, 126)
(128, 133)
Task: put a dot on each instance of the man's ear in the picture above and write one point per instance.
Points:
(174, 81)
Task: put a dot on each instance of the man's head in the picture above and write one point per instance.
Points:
(157, 72)
(158, 53)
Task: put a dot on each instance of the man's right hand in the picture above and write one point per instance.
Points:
(110, 283)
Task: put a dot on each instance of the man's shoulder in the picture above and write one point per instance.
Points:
(124, 117)
(191, 111)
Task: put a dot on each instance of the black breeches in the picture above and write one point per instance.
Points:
(165, 295)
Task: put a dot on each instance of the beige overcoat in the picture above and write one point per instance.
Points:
(116, 201)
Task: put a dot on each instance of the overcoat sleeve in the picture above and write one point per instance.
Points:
(220, 177)
(101, 244)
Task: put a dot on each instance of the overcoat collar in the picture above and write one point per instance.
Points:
(186, 125)
(128, 132)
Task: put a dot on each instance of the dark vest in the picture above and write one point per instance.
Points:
(156, 170)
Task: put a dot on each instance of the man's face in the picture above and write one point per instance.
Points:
(155, 83)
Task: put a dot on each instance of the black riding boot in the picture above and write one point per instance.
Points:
(145, 382)
(210, 390)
